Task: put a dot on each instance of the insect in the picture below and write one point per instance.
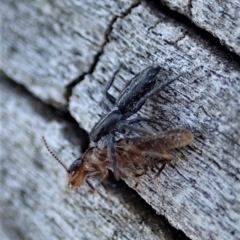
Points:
(129, 102)
(144, 151)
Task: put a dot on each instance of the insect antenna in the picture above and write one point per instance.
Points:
(53, 154)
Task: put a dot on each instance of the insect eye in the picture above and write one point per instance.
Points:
(74, 166)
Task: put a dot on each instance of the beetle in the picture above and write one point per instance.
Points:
(143, 151)
(134, 95)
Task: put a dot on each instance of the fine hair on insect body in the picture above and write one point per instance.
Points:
(140, 88)
(145, 151)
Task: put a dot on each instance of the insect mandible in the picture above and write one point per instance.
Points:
(129, 102)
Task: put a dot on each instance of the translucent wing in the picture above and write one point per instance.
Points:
(151, 149)
(144, 151)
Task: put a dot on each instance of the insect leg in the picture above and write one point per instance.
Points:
(112, 156)
(157, 89)
(133, 129)
(104, 175)
(127, 125)
(107, 190)
(91, 186)
(106, 107)
(109, 97)
(139, 173)
(141, 119)
(158, 174)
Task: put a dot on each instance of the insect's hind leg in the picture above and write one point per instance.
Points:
(157, 89)
(112, 155)
(134, 129)
(125, 123)
(143, 119)
(109, 97)
(158, 174)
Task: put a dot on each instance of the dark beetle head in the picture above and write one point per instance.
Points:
(105, 125)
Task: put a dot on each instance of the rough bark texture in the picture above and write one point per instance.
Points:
(220, 18)
(64, 53)
(34, 201)
(47, 44)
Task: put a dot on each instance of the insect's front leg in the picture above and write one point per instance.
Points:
(92, 187)
(112, 155)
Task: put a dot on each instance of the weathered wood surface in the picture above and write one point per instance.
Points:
(220, 18)
(47, 45)
(35, 203)
(199, 192)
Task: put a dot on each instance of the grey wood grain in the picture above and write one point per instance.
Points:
(46, 45)
(199, 192)
(220, 18)
(35, 203)
(64, 53)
